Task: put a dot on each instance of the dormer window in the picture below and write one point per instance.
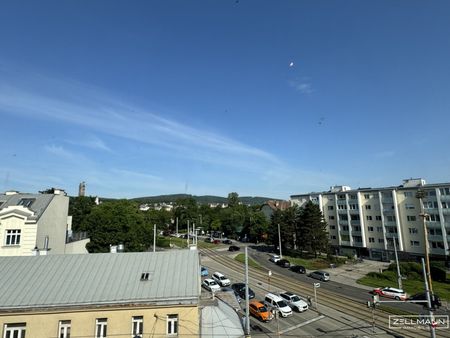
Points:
(26, 202)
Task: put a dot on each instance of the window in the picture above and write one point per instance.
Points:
(430, 193)
(413, 231)
(332, 227)
(434, 218)
(437, 245)
(408, 193)
(368, 207)
(353, 206)
(356, 228)
(357, 239)
(330, 217)
(445, 205)
(390, 218)
(343, 217)
(369, 218)
(330, 207)
(342, 206)
(430, 205)
(333, 237)
(370, 229)
(409, 206)
(12, 237)
(354, 217)
(371, 240)
(445, 191)
(414, 243)
(64, 329)
(137, 326)
(378, 218)
(379, 229)
(366, 196)
(411, 218)
(341, 197)
(100, 327)
(14, 330)
(345, 228)
(380, 240)
(26, 202)
(172, 325)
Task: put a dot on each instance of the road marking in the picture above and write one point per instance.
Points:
(302, 324)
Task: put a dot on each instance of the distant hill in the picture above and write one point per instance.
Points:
(200, 199)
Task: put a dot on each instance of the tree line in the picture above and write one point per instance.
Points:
(121, 221)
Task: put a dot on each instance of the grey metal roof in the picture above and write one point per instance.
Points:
(99, 279)
(38, 207)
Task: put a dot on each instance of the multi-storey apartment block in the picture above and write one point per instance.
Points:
(366, 221)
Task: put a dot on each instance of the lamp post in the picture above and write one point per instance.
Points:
(279, 240)
(420, 195)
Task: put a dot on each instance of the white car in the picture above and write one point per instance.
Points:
(397, 294)
(210, 285)
(274, 258)
(278, 303)
(221, 279)
(294, 301)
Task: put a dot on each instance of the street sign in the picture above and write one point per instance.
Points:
(317, 285)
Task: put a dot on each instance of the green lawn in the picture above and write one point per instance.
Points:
(411, 286)
(241, 258)
(310, 264)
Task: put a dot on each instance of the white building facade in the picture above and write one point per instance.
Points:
(366, 221)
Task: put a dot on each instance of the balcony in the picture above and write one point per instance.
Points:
(342, 222)
(355, 223)
(342, 211)
(387, 199)
(388, 211)
(390, 224)
(341, 202)
(445, 198)
(343, 231)
(354, 211)
(446, 211)
(435, 238)
(347, 243)
(391, 235)
(356, 232)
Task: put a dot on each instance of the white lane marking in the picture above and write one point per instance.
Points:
(302, 324)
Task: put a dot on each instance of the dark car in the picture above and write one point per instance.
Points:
(234, 248)
(239, 290)
(284, 263)
(297, 268)
(435, 300)
(227, 241)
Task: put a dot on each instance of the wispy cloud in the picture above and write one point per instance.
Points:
(92, 142)
(303, 86)
(89, 107)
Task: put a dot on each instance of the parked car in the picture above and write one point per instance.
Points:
(260, 311)
(435, 300)
(204, 271)
(284, 263)
(234, 248)
(321, 275)
(397, 294)
(274, 258)
(239, 290)
(297, 268)
(227, 241)
(216, 241)
(221, 279)
(210, 285)
(208, 240)
(278, 303)
(294, 301)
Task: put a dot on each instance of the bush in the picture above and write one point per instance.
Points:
(438, 274)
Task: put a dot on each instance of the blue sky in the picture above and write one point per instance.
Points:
(265, 98)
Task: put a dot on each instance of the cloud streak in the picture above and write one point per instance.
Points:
(302, 86)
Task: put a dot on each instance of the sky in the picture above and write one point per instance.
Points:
(259, 97)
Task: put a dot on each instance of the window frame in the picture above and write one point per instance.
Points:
(172, 321)
(64, 328)
(13, 235)
(10, 328)
(101, 327)
(137, 326)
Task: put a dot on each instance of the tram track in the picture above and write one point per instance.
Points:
(342, 304)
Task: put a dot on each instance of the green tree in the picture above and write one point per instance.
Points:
(233, 199)
(80, 208)
(117, 222)
(312, 230)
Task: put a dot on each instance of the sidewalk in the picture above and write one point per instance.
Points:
(350, 273)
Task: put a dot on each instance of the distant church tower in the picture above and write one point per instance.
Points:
(82, 189)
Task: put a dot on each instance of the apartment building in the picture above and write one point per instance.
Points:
(139, 294)
(32, 224)
(366, 221)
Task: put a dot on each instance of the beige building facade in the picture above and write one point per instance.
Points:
(366, 221)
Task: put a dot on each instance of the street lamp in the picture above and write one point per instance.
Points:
(420, 195)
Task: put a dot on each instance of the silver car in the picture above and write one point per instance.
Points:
(321, 275)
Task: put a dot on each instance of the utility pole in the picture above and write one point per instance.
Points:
(399, 276)
(177, 226)
(428, 292)
(279, 240)
(188, 234)
(154, 237)
(420, 195)
(247, 308)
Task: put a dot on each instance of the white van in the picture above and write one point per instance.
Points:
(278, 303)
